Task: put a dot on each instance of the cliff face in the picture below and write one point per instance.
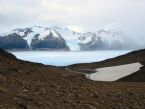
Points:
(13, 41)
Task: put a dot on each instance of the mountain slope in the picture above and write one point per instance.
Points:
(71, 37)
(38, 38)
(132, 57)
(26, 85)
(60, 38)
(104, 39)
(13, 41)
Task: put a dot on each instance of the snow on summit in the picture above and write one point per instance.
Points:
(30, 33)
(102, 39)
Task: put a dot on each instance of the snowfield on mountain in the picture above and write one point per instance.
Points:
(61, 38)
(108, 39)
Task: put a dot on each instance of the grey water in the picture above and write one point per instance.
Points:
(63, 58)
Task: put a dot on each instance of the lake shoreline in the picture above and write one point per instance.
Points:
(64, 58)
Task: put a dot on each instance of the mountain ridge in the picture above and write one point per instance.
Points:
(57, 38)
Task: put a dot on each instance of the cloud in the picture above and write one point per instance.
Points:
(82, 15)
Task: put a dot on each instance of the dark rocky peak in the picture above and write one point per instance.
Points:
(27, 31)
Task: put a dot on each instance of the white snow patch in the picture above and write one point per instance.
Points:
(70, 37)
(19, 33)
(110, 37)
(115, 72)
(54, 33)
(44, 34)
(107, 36)
(85, 39)
(29, 38)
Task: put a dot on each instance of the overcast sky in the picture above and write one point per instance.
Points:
(79, 15)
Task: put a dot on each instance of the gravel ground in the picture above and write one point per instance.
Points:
(25, 85)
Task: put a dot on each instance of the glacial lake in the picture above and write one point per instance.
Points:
(63, 58)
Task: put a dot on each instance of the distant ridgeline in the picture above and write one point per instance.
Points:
(56, 38)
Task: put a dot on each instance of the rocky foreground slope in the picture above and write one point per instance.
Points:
(132, 57)
(26, 85)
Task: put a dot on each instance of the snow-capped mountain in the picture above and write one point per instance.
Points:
(61, 38)
(38, 37)
(71, 37)
(106, 39)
